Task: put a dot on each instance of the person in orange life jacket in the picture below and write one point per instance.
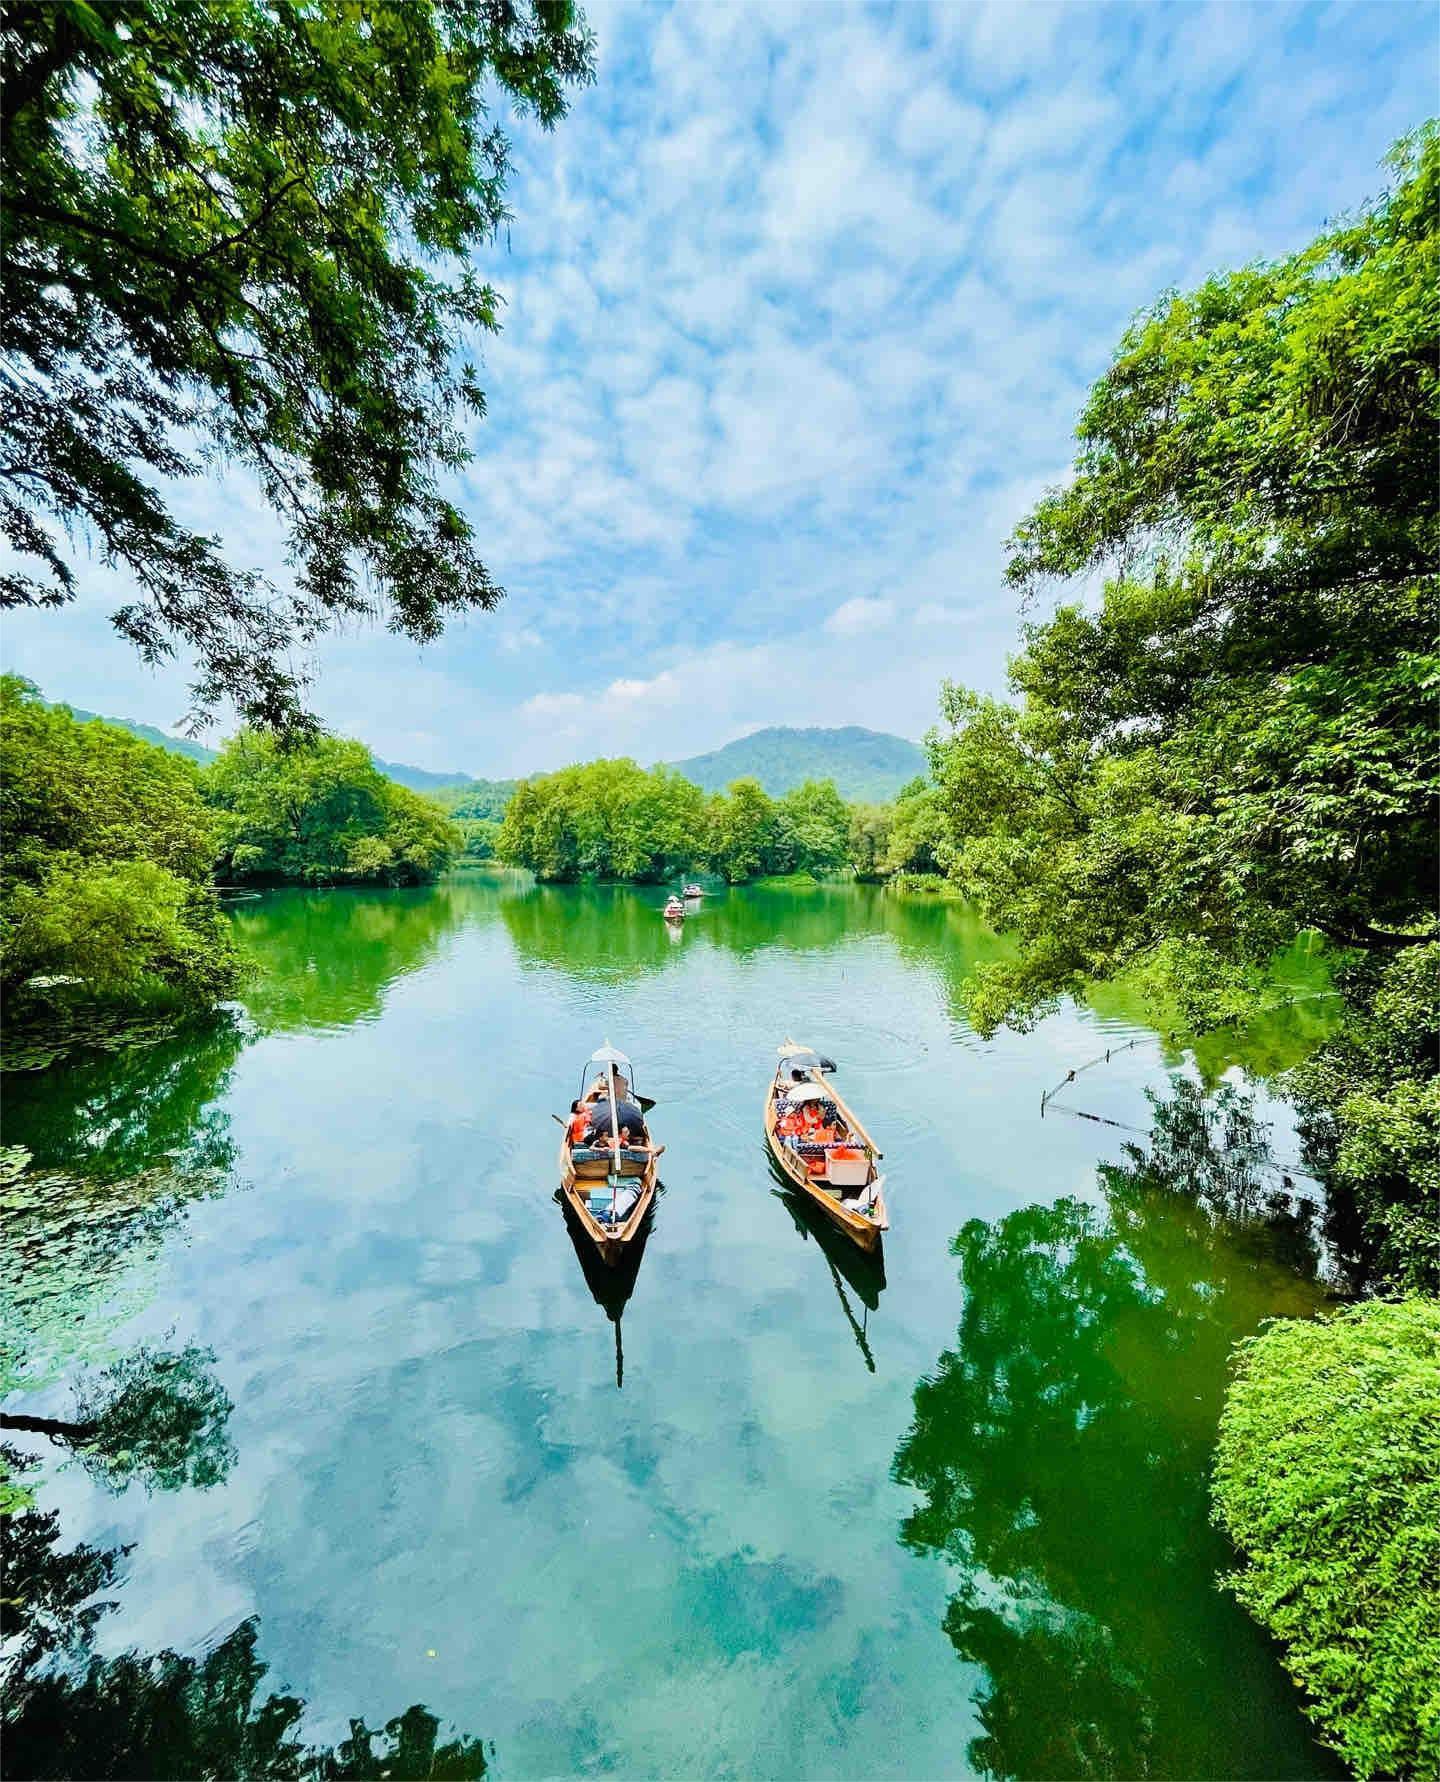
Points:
(579, 1122)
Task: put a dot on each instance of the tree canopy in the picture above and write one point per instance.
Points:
(1236, 741)
(1328, 1481)
(105, 873)
(321, 812)
(243, 232)
(615, 819)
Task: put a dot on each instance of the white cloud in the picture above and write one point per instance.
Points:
(793, 311)
(860, 614)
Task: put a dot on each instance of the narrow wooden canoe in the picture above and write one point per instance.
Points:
(612, 1241)
(862, 1228)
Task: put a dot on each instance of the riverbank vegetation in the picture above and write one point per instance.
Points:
(1235, 744)
(105, 874)
(616, 820)
(1328, 1482)
(321, 813)
(113, 848)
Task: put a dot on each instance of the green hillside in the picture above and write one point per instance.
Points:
(177, 745)
(418, 779)
(864, 764)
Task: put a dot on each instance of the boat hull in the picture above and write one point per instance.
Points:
(612, 1242)
(860, 1229)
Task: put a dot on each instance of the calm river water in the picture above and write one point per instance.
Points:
(779, 1513)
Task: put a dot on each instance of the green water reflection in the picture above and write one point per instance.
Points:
(321, 1385)
(1062, 1448)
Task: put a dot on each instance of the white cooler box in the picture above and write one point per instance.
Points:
(846, 1166)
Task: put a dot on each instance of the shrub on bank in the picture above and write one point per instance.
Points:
(1327, 1479)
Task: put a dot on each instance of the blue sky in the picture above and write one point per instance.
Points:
(801, 306)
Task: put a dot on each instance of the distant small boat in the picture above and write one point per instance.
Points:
(839, 1178)
(694, 890)
(674, 910)
(610, 1188)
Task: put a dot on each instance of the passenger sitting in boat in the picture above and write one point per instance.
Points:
(599, 1090)
(579, 1122)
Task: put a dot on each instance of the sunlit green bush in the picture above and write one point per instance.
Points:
(1328, 1481)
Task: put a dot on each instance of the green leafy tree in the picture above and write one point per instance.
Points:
(1237, 742)
(603, 819)
(105, 872)
(869, 839)
(253, 227)
(478, 837)
(322, 812)
(1328, 1481)
(917, 830)
(1369, 1105)
(742, 832)
(485, 799)
(816, 822)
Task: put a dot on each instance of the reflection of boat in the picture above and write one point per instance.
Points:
(694, 891)
(674, 910)
(608, 1186)
(840, 1178)
(609, 1287)
(862, 1271)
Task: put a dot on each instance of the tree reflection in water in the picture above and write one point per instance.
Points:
(70, 1712)
(1062, 1450)
(153, 1418)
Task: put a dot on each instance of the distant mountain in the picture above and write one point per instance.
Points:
(418, 779)
(864, 764)
(177, 745)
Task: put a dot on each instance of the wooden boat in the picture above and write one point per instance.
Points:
(694, 891)
(856, 1207)
(609, 1190)
(674, 910)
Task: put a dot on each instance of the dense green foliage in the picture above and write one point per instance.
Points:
(321, 812)
(864, 764)
(605, 819)
(1238, 742)
(178, 745)
(1369, 1105)
(613, 819)
(903, 840)
(477, 810)
(248, 230)
(1328, 1482)
(483, 800)
(106, 865)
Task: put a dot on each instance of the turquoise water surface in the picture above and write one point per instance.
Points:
(759, 1508)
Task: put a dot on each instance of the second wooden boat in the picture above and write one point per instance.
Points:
(838, 1174)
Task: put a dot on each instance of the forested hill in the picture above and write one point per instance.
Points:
(418, 779)
(864, 764)
(177, 745)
